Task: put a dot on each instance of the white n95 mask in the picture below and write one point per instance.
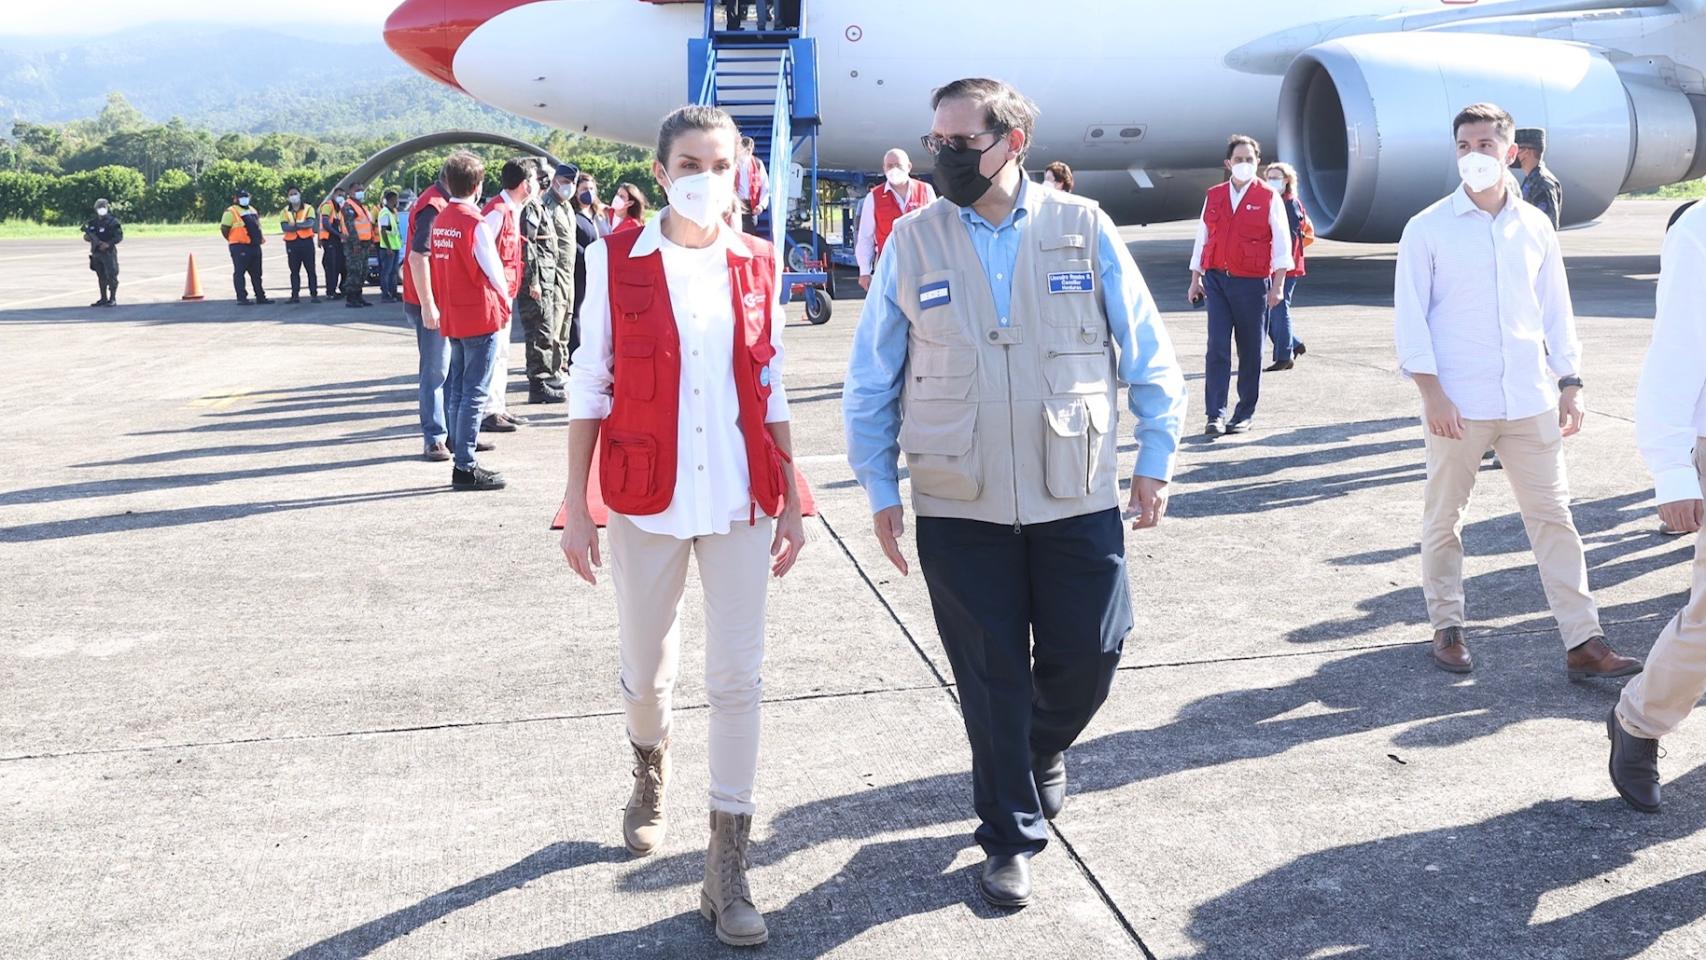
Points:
(1479, 171)
(1243, 172)
(702, 198)
(897, 177)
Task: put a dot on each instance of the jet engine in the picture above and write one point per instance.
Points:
(1367, 122)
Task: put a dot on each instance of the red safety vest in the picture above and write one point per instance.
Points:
(637, 442)
(433, 197)
(508, 240)
(1299, 242)
(467, 304)
(888, 208)
(1240, 241)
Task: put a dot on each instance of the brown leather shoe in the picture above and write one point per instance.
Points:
(1451, 651)
(1596, 659)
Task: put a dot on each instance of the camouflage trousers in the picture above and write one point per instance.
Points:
(355, 268)
(547, 342)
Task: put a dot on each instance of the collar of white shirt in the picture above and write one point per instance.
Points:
(651, 239)
(1462, 202)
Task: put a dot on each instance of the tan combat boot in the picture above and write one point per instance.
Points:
(643, 821)
(725, 899)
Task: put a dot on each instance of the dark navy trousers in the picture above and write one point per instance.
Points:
(1237, 310)
(1033, 622)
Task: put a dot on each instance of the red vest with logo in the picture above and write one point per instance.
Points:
(887, 208)
(467, 304)
(509, 242)
(637, 442)
(1240, 242)
(433, 197)
(1297, 242)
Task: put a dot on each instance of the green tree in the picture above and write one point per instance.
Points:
(117, 116)
(23, 195)
(41, 146)
(222, 178)
(72, 197)
(170, 199)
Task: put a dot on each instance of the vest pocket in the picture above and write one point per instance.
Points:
(1073, 444)
(940, 442)
(636, 373)
(629, 465)
(937, 307)
(941, 373)
(1077, 371)
(762, 353)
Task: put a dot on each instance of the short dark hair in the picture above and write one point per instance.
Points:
(291, 186)
(390, 194)
(1503, 124)
(463, 173)
(1062, 175)
(517, 171)
(1005, 109)
(1242, 140)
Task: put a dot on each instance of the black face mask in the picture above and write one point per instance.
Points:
(959, 176)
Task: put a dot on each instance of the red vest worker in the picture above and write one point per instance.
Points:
(897, 196)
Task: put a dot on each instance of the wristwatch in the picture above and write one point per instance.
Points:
(1569, 381)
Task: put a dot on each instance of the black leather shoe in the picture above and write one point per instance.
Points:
(263, 300)
(99, 303)
(541, 391)
(1049, 774)
(1634, 766)
(1299, 349)
(1006, 880)
(478, 478)
(495, 424)
(1279, 365)
(482, 445)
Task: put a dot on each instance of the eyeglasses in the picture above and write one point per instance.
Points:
(934, 145)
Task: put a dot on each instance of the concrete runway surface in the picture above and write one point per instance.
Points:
(272, 690)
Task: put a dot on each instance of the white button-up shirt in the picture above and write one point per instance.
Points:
(712, 487)
(865, 247)
(1278, 223)
(1482, 302)
(1670, 404)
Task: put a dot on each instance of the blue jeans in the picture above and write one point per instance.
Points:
(388, 268)
(1237, 309)
(465, 392)
(434, 353)
(1280, 330)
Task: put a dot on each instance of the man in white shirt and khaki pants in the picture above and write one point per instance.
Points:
(1670, 424)
(1485, 328)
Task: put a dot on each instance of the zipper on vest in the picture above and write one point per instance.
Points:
(1052, 354)
(1012, 434)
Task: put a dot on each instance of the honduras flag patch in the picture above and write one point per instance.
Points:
(936, 294)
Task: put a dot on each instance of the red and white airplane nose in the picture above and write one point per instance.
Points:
(427, 33)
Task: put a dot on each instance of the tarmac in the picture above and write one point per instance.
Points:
(272, 690)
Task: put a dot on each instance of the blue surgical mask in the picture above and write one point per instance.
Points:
(360, 195)
(242, 201)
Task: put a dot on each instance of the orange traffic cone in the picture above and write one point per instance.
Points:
(192, 282)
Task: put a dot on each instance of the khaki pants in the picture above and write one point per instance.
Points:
(650, 573)
(1532, 454)
(1675, 676)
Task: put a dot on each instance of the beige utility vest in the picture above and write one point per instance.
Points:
(1014, 424)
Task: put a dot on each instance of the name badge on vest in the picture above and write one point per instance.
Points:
(935, 295)
(1072, 281)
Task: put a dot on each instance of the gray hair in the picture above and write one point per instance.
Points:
(1005, 108)
(685, 119)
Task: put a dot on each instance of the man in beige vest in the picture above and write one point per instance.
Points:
(1000, 323)
(1670, 422)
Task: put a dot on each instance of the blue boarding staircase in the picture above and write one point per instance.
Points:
(764, 74)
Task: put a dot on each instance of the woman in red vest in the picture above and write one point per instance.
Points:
(1242, 254)
(677, 384)
(1282, 179)
(627, 209)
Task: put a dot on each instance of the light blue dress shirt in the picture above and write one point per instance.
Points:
(870, 402)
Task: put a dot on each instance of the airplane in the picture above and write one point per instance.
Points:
(1139, 97)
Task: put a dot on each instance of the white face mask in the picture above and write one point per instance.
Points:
(242, 201)
(1244, 172)
(897, 177)
(566, 191)
(619, 203)
(100, 211)
(1278, 184)
(295, 200)
(1479, 171)
(702, 198)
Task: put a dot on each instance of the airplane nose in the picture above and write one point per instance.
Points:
(427, 33)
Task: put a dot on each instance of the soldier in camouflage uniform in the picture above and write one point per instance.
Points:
(360, 231)
(536, 302)
(104, 232)
(561, 329)
(1539, 186)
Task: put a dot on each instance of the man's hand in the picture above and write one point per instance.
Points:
(429, 316)
(533, 292)
(789, 541)
(1683, 516)
(580, 542)
(1441, 415)
(865, 282)
(1571, 411)
(890, 524)
(1196, 292)
(1276, 293)
(1148, 502)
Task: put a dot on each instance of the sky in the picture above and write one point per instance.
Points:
(91, 17)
